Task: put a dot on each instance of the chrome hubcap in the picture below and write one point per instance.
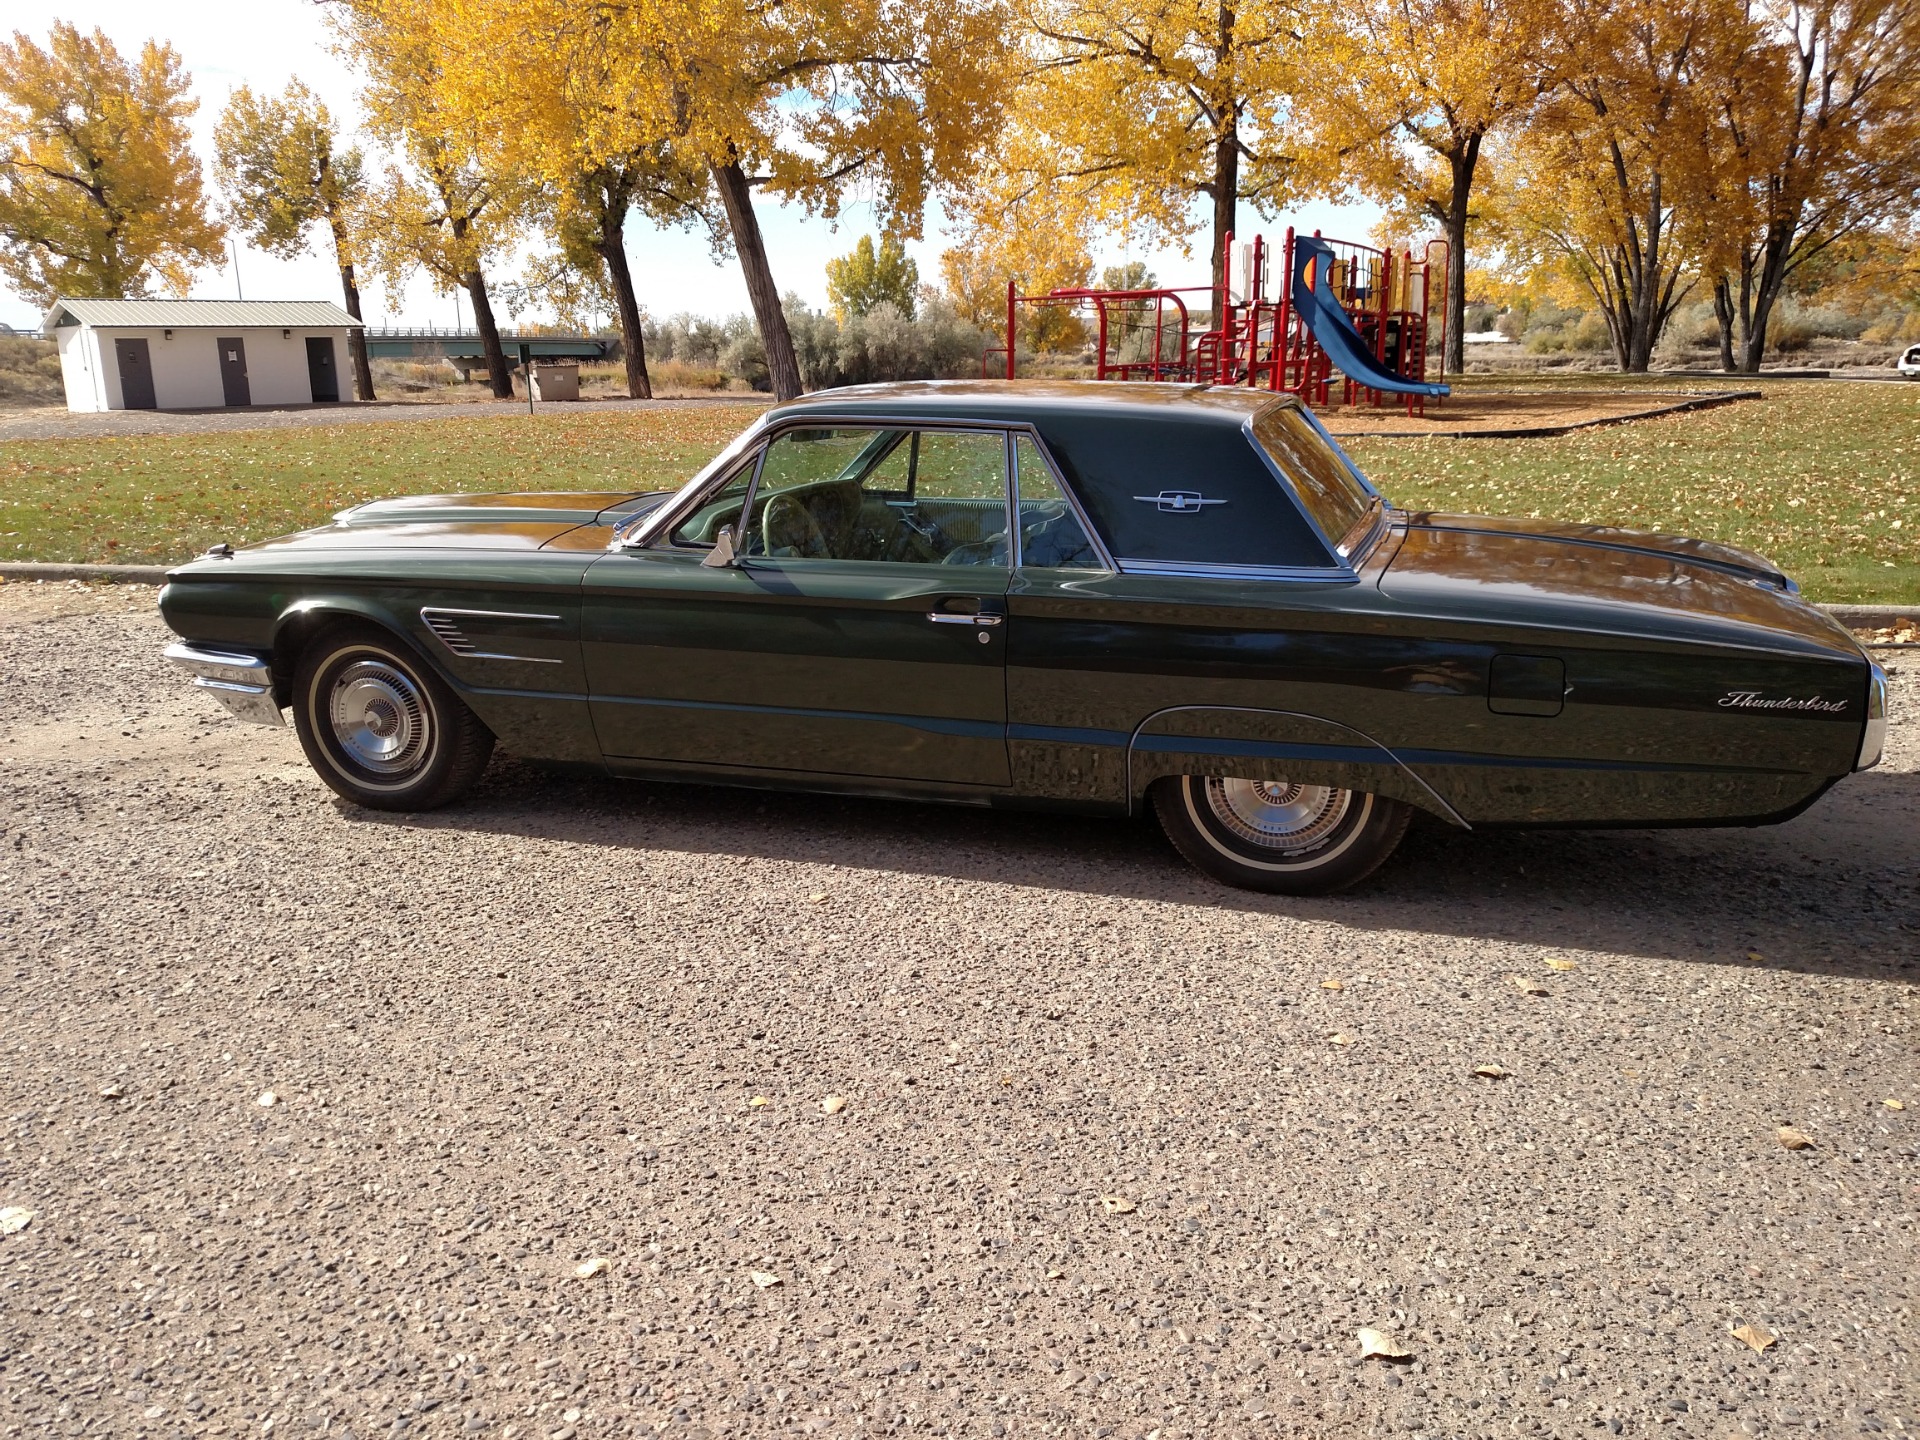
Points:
(379, 717)
(1275, 814)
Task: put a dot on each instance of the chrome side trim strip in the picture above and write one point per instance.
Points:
(487, 614)
(443, 623)
(1199, 570)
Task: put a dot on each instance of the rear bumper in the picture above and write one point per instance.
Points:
(242, 682)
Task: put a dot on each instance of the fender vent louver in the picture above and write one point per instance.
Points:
(448, 630)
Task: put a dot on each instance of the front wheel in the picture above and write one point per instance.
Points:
(1278, 836)
(380, 726)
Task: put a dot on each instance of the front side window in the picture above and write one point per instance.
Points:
(1321, 476)
(931, 497)
(721, 507)
(1051, 535)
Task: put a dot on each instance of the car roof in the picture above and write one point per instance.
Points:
(1039, 400)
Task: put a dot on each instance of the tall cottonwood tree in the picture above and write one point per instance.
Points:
(1817, 141)
(453, 206)
(100, 194)
(1130, 111)
(280, 162)
(1406, 94)
(806, 100)
(1613, 177)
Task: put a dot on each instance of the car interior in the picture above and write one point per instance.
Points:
(914, 496)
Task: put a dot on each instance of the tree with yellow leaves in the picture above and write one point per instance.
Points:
(802, 100)
(100, 195)
(1404, 97)
(1130, 111)
(449, 211)
(280, 162)
(1612, 180)
(1817, 141)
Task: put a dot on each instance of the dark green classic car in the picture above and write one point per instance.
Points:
(1097, 597)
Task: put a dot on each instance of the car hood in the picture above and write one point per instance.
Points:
(1590, 577)
(566, 519)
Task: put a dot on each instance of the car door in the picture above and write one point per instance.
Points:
(860, 632)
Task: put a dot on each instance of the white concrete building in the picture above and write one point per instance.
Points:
(200, 354)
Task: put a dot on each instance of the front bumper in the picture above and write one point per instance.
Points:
(242, 682)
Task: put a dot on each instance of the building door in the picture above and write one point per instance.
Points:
(136, 374)
(321, 374)
(233, 370)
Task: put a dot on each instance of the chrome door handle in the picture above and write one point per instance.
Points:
(942, 617)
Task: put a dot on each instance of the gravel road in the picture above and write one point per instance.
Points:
(547, 1155)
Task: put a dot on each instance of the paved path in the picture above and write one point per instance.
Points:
(521, 1037)
(50, 424)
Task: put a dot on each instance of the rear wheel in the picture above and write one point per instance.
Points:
(1278, 836)
(380, 726)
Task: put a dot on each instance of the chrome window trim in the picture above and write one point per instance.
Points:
(1094, 537)
(1201, 570)
(645, 527)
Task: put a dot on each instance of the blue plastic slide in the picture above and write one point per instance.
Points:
(1323, 315)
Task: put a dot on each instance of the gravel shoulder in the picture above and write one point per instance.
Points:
(48, 423)
(1113, 1160)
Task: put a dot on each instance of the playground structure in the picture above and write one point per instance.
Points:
(1342, 306)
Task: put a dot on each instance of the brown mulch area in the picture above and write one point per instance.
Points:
(1479, 412)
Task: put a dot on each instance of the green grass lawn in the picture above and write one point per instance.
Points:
(161, 499)
(1822, 477)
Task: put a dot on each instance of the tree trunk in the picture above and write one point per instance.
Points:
(1226, 173)
(737, 195)
(633, 342)
(1226, 196)
(1766, 287)
(1723, 312)
(498, 375)
(350, 287)
(1463, 163)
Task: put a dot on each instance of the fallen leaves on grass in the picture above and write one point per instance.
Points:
(1755, 1337)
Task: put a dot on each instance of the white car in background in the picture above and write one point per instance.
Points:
(1909, 363)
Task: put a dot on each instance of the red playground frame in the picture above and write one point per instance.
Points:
(1355, 308)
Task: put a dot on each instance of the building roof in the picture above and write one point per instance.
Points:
(199, 314)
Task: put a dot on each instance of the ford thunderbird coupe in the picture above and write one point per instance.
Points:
(1089, 596)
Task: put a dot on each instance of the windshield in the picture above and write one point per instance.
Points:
(1327, 485)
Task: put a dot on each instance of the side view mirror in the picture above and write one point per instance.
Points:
(721, 556)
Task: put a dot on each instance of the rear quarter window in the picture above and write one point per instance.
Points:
(1132, 474)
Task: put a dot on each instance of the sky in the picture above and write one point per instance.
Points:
(263, 44)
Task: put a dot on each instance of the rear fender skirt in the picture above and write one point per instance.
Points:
(1272, 745)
